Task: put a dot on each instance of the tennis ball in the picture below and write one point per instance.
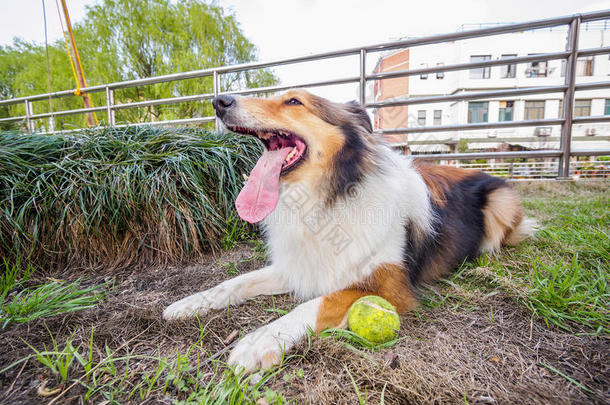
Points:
(374, 319)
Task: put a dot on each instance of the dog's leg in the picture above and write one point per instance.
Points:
(264, 347)
(231, 292)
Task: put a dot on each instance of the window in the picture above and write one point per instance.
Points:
(584, 66)
(582, 108)
(506, 111)
(423, 76)
(438, 117)
(534, 110)
(607, 108)
(440, 75)
(483, 72)
(477, 111)
(421, 118)
(537, 69)
(508, 71)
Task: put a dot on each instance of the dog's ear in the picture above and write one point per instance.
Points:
(360, 114)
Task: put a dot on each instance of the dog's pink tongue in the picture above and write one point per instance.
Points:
(259, 196)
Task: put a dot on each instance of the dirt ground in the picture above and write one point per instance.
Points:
(454, 353)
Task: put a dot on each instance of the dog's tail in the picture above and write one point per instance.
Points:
(525, 229)
(505, 223)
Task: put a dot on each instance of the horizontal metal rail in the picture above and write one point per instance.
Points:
(590, 152)
(68, 112)
(530, 154)
(491, 155)
(467, 127)
(496, 62)
(470, 65)
(199, 120)
(11, 119)
(272, 89)
(469, 96)
(171, 100)
(530, 139)
(594, 51)
(591, 119)
(592, 86)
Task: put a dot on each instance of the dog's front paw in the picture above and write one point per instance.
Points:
(260, 349)
(198, 304)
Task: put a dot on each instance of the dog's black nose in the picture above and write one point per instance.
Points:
(222, 103)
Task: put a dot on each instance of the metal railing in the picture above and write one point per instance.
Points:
(570, 55)
(541, 170)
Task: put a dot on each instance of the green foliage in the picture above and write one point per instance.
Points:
(561, 275)
(116, 197)
(564, 293)
(14, 275)
(47, 300)
(194, 376)
(56, 360)
(129, 39)
(235, 231)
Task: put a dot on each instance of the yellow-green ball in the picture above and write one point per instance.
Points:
(374, 319)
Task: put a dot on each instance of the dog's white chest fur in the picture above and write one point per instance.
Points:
(317, 250)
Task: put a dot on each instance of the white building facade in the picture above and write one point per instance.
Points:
(525, 107)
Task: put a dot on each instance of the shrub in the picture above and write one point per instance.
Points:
(116, 197)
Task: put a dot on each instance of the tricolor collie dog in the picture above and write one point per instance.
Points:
(344, 216)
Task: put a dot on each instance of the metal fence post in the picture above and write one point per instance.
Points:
(28, 114)
(109, 106)
(51, 124)
(216, 90)
(568, 100)
(362, 76)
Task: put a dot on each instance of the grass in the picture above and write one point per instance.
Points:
(13, 275)
(48, 300)
(501, 327)
(20, 304)
(115, 376)
(118, 197)
(562, 275)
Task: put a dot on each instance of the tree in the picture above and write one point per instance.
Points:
(131, 39)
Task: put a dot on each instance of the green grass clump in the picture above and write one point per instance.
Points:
(47, 300)
(13, 275)
(113, 197)
(569, 293)
(562, 274)
(190, 375)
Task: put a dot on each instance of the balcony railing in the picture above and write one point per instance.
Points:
(568, 88)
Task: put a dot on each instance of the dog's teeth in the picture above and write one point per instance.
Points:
(291, 154)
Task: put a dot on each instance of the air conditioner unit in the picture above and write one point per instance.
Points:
(492, 134)
(590, 131)
(543, 131)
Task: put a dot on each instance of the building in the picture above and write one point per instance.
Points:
(548, 73)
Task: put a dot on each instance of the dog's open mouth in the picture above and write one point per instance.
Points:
(283, 152)
(274, 139)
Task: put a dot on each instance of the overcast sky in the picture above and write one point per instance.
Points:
(283, 28)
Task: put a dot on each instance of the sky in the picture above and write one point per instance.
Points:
(285, 28)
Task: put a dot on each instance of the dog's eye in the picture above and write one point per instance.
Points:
(293, 101)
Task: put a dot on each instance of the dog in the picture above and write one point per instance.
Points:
(344, 216)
